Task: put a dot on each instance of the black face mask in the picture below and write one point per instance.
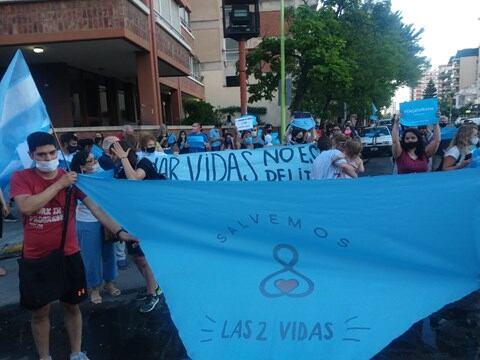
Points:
(150, 150)
(410, 145)
(71, 149)
(442, 125)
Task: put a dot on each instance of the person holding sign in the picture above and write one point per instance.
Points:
(410, 153)
(459, 153)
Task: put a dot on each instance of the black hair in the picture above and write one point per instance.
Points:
(38, 139)
(79, 160)
(324, 143)
(420, 149)
(296, 131)
(67, 137)
(82, 143)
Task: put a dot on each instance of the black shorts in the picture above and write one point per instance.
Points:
(136, 251)
(75, 281)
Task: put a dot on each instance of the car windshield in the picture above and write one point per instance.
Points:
(374, 132)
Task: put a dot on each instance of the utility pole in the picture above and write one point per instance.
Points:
(283, 125)
(242, 62)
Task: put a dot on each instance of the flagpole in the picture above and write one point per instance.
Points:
(282, 71)
(59, 146)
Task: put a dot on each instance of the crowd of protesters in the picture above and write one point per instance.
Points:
(43, 192)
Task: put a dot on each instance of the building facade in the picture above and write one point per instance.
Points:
(105, 63)
(417, 92)
(460, 78)
(218, 56)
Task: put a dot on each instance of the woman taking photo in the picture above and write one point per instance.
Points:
(410, 153)
(459, 154)
(98, 254)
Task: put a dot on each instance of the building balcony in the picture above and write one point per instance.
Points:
(60, 21)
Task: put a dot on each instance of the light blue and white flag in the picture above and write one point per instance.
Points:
(22, 112)
(292, 270)
(374, 116)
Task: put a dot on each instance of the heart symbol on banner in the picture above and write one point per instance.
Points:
(286, 286)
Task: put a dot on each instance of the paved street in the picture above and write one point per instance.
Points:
(114, 330)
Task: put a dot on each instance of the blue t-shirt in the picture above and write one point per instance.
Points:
(214, 134)
(196, 142)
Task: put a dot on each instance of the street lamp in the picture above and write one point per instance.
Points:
(241, 21)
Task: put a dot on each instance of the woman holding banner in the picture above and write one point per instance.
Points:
(98, 254)
(459, 153)
(410, 153)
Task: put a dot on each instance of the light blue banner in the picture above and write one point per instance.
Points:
(290, 270)
(305, 123)
(419, 112)
(22, 112)
(284, 163)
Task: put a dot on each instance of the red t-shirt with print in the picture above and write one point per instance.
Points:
(43, 230)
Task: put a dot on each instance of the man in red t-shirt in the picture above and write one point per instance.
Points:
(40, 194)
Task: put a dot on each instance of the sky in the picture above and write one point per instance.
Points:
(449, 25)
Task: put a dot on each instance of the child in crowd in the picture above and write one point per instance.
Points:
(351, 153)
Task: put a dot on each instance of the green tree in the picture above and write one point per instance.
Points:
(354, 52)
(430, 91)
(199, 111)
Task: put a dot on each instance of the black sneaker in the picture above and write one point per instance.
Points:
(10, 218)
(150, 302)
(142, 295)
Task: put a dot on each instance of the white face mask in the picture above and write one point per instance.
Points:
(254, 133)
(47, 166)
(474, 140)
(96, 167)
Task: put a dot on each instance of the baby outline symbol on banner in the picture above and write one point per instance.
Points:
(287, 281)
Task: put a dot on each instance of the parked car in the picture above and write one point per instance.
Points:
(475, 120)
(385, 122)
(376, 141)
(472, 120)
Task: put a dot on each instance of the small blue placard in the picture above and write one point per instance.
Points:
(419, 112)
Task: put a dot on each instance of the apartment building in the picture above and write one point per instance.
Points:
(417, 92)
(105, 63)
(218, 56)
(460, 78)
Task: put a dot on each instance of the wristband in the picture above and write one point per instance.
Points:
(119, 231)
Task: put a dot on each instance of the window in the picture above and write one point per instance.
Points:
(231, 50)
(232, 81)
(169, 11)
(195, 69)
(185, 18)
(165, 9)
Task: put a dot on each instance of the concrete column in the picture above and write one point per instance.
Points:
(150, 113)
(175, 107)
